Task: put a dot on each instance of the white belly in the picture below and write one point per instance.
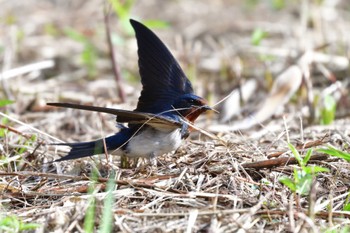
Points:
(151, 143)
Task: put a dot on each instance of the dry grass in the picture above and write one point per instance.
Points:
(226, 183)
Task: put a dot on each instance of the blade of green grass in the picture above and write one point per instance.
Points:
(336, 153)
(89, 221)
(107, 215)
(296, 155)
(307, 156)
(3, 103)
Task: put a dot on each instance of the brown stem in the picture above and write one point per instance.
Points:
(270, 163)
(115, 66)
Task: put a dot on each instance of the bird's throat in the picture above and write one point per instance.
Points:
(194, 114)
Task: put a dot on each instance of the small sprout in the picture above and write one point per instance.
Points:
(257, 36)
(328, 110)
(14, 224)
(303, 176)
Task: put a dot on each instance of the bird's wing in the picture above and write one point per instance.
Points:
(125, 116)
(161, 76)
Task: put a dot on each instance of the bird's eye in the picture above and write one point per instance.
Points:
(194, 102)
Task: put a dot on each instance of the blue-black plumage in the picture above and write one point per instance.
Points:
(158, 124)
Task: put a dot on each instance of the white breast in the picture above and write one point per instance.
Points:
(152, 142)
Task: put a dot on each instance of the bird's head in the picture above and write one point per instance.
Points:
(191, 106)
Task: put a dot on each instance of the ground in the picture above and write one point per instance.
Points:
(284, 63)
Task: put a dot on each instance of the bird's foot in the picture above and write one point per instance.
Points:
(127, 162)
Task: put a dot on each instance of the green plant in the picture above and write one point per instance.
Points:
(278, 4)
(106, 223)
(108, 214)
(257, 36)
(123, 10)
(13, 224)
(346, 206)
(89, 220)
(328, 110)
(26, 142)
(89, 54)
(302, 176)
(3, 131)
(5, 102)
(336, 153)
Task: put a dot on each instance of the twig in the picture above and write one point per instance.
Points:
(143, 184)
(13, 130)
(113, 58)
(306, 145)
(26, 69)
(322, 214)
(29, 126)
(270, 163)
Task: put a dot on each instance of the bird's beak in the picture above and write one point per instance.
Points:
(208, 108)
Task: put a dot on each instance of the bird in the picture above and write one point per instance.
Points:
(166, 107)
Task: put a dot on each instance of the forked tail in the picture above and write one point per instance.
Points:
(86, 149)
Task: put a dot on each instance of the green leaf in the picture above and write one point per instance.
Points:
(89, 59)
(89, 220)
(345, 229)
(107, 215)
(336, 153)
(28, 226)
(328, 110)
(3, 103)
(257, 36)
(278, 4)
(307, 156)
(89, 54)
(127, 26)
(296, 155)
(14, 224)
(288, 182)
(304, 185)
(3, 131)
(346, 207)
(156, 24)
(75, 35)
(315, 169)
(296, 174)
(122, 8)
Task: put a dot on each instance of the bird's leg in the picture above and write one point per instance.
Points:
(146, 164)
(153, 160)
(124, 162)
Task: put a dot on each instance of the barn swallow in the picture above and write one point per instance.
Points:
(159, 122)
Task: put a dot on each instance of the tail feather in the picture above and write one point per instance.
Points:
(82, 149)
(86, 149)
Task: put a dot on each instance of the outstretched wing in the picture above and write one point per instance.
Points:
(125, 116)
(162, 77)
